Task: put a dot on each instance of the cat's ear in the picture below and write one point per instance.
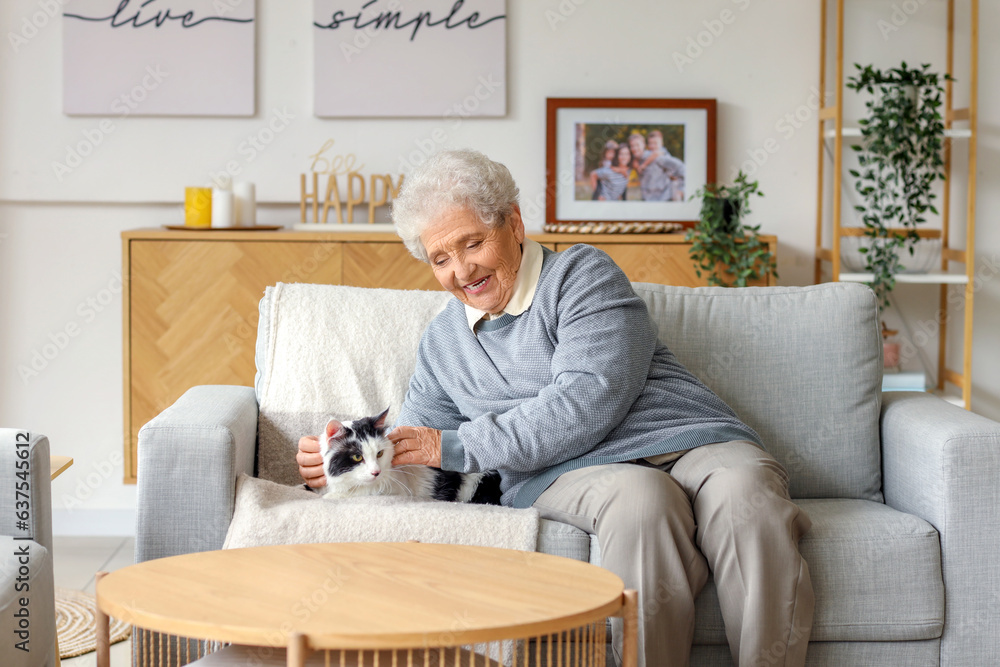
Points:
(334, 430)
(380, 420)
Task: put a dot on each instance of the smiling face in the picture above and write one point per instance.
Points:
(474, 262)
(637, 144)
(624, 156)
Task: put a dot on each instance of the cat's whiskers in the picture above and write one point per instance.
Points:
(399, 483)
(406, 470)
(384, 483)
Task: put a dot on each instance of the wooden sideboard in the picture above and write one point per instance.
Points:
(190, 310)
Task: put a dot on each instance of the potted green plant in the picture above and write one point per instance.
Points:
(723, 245)
(899, 159)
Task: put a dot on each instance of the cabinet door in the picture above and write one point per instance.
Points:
(193, 313)
(664, 263)
(388, 265)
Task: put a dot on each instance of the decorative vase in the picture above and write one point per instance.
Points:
(890, 354)
(731, 213)
(925, 258)
(890, 348)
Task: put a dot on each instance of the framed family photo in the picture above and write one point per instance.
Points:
(627, 160)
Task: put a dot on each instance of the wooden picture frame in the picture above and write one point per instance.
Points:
(585, 184)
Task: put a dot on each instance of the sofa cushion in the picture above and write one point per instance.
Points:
(801, 365)
(561, 539)
(838, 654)
(876, 573)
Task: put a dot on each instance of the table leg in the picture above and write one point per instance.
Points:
(103, 628)
(297, 650)
(630, 613)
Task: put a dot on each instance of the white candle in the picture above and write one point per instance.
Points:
(245, 203)
(222, 208)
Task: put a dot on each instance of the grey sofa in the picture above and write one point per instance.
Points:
(27, 592)
(903, 489)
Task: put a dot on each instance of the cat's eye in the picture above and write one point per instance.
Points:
(357, 458)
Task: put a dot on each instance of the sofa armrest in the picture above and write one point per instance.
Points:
(189, 458)
(24, 452)
(942, 464)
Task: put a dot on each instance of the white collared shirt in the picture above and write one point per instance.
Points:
(525, 284)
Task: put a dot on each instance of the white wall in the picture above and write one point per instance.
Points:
(60, 244)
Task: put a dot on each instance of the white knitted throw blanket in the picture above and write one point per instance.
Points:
(332, 351)
(346, 352)
(267, 513)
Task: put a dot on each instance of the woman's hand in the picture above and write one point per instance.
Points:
(416, 444)
(310, 462)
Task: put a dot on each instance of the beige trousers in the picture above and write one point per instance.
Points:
(723, 507)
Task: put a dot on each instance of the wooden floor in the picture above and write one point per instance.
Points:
(76, 559)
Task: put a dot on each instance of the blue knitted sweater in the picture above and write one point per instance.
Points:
(578, 379)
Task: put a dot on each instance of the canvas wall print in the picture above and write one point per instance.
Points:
(628, 160)
(410, 58)
(158, 57)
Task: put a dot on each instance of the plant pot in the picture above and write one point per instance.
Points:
(731, 213)
(926, 255)
(890, 354)
(907, 91)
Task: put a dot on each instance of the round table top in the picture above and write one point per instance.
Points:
(361, 595)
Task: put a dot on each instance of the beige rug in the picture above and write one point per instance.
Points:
(75, 621)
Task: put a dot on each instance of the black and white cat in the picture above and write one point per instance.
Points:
(357, 461)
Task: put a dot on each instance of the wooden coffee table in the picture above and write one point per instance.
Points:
(399, 602)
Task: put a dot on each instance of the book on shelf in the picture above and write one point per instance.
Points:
(904, 381)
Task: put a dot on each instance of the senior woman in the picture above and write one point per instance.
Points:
(546, 367)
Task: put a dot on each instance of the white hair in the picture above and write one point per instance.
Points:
(464, 179)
